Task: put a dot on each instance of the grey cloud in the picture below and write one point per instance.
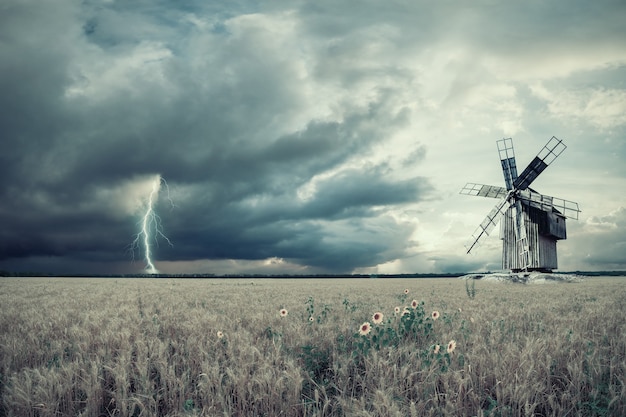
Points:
(600, 242)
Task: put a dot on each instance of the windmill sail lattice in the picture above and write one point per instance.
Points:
(531, 223)
(507, 158)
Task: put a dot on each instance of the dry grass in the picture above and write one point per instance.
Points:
(139, 347)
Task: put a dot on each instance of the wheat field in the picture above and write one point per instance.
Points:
(292, 347)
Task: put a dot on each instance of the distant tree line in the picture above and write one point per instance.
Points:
(276, 276)
(279, 276)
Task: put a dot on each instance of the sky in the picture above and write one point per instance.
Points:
(302, 137)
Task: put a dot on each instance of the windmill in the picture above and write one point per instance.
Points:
(531, 223)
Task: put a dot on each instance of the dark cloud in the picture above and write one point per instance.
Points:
(131, 93)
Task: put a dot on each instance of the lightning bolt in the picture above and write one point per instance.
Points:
(151, 227)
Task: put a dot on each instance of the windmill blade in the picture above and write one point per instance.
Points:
(567, 208)
(520, 226)
(482, 190)
(520, 235)
(487, 225)
(507, 159)
(544, 158)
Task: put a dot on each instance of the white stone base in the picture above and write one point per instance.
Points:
(525, 277)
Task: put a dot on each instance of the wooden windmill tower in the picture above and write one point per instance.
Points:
(531, 223)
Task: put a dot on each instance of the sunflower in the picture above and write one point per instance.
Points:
(406, 291)
(377, 318)
(365, 329)
(220, 334)
(435, 315)
(283, 312)
(396, 310)
(311, 319)
(451, 346)
(414, 304)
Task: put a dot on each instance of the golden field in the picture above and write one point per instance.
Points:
(220, 347)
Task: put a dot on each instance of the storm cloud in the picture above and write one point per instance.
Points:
(304, 137)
